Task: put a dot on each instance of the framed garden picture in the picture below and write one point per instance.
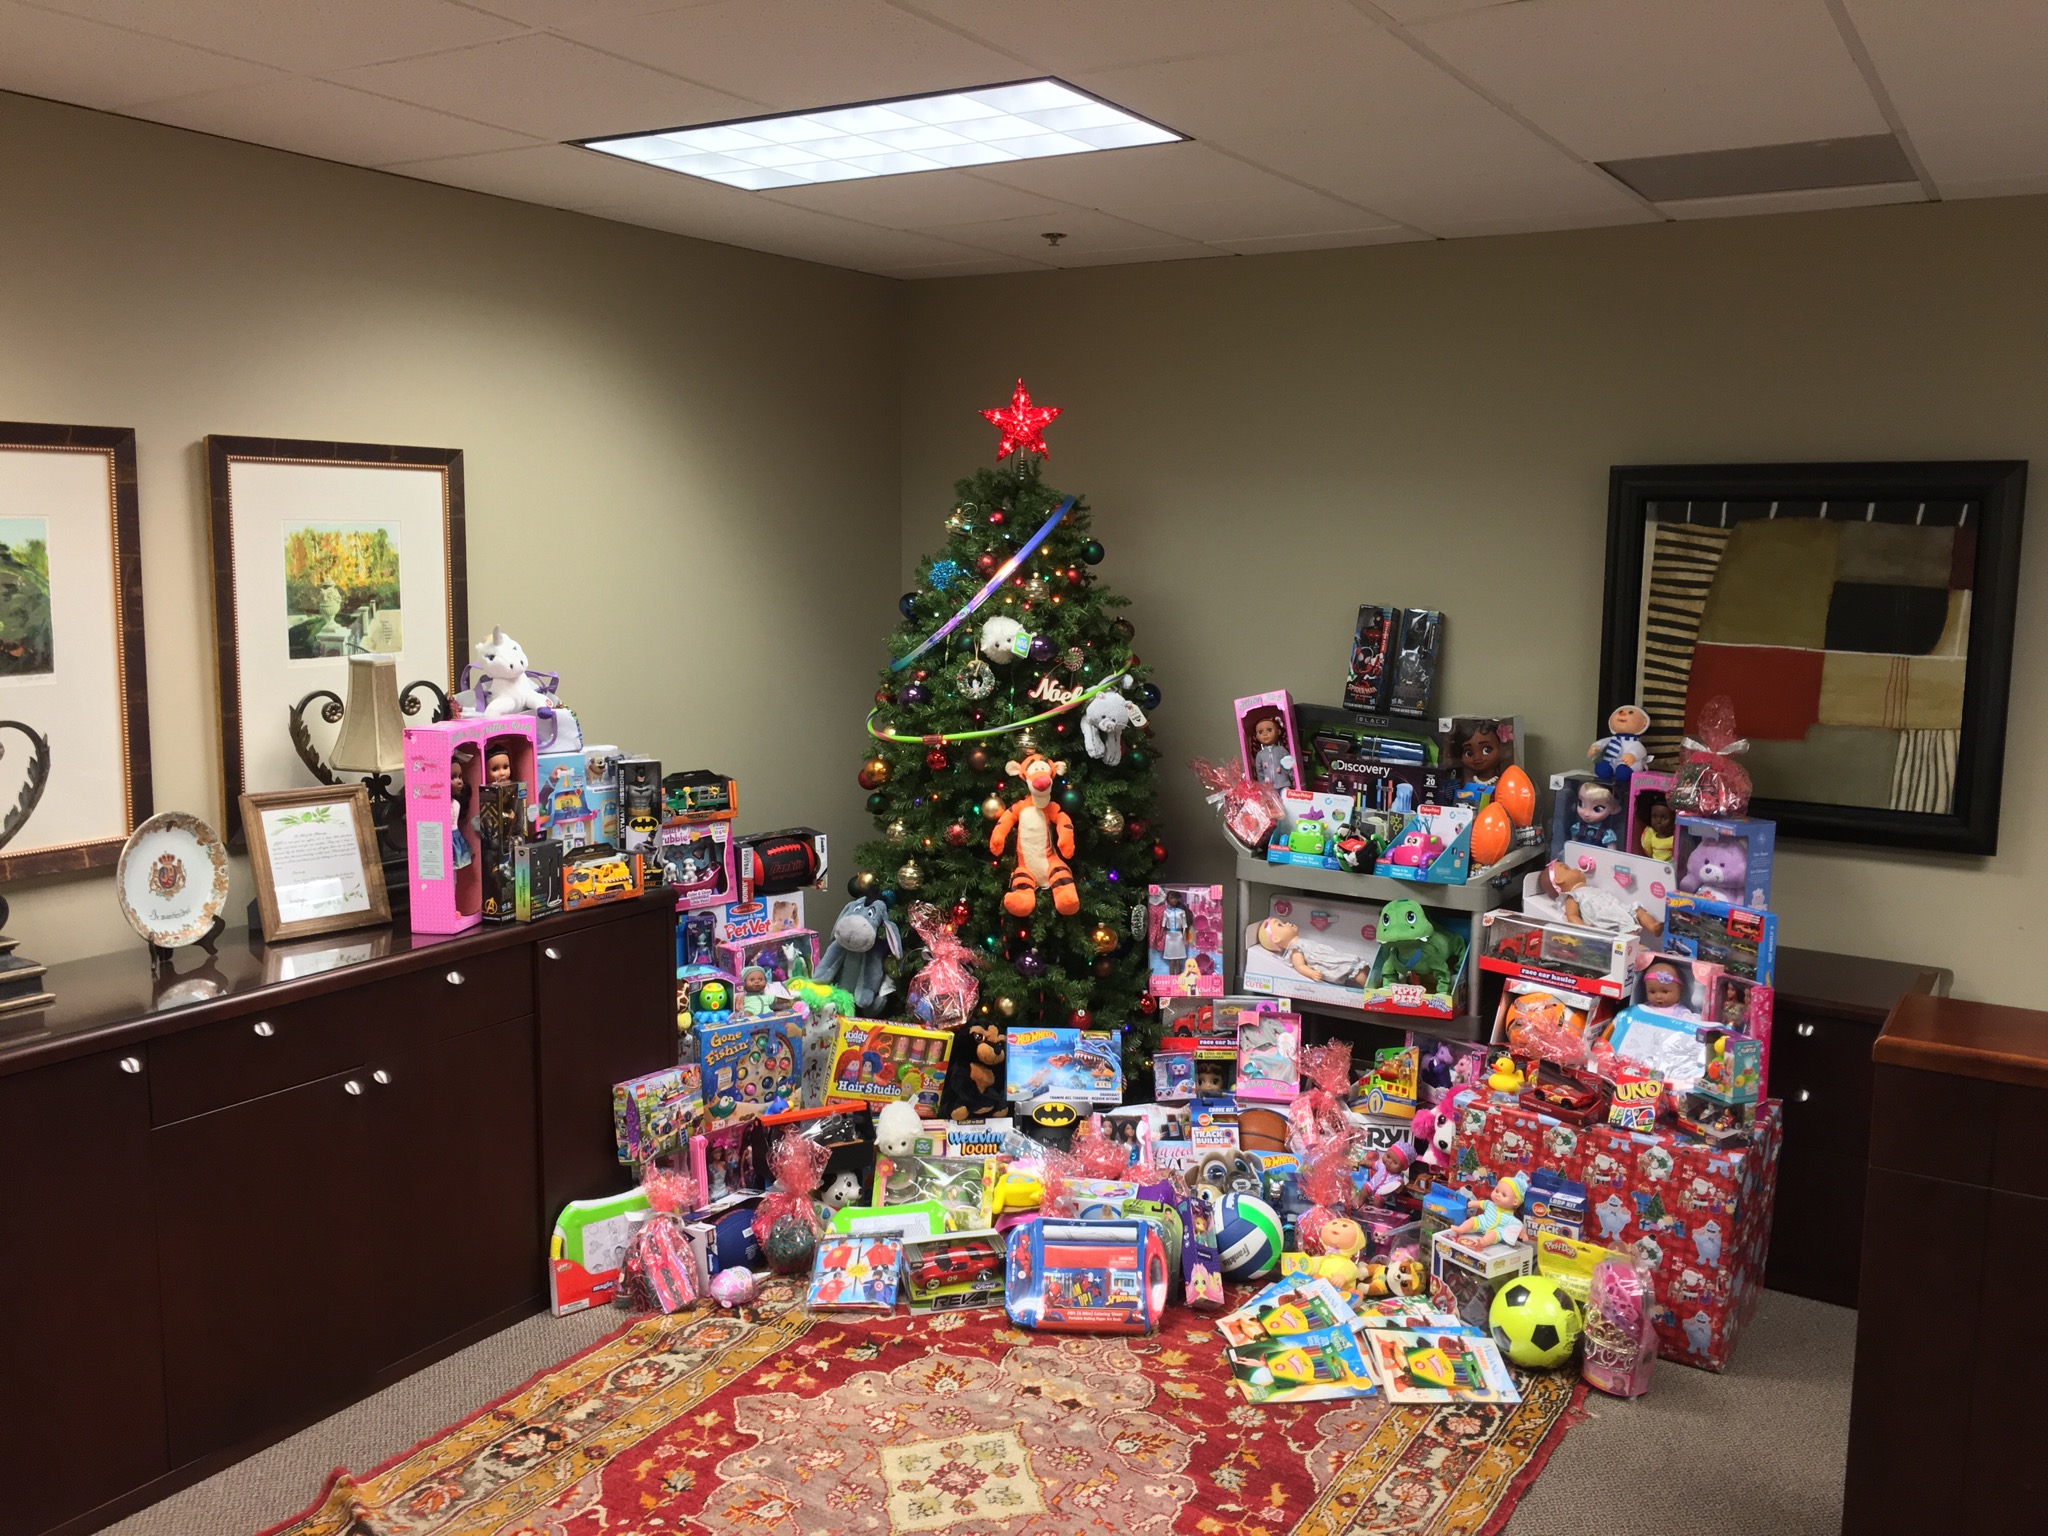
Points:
(1858, 616)
(74, 695)
(322, 551)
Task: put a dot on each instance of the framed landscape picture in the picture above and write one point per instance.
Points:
(1858, 616)
(322, 551)
(74, 695)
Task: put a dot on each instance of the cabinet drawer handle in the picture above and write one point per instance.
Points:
(131, 1064)
(455, 978)
(1804, 1031)
(352, 1087)
(1802, 1096)
(263, 1027)
(551, 952)
(381, 1076)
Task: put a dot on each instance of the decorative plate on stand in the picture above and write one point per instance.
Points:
(172, 881)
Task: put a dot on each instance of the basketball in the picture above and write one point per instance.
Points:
(1250, 1241)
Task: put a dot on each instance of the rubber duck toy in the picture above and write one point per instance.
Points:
(1507, 1077)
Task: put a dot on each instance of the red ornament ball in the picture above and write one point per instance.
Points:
(884, 696)
(1148, 1005)
(959, 915)
(1159, 853)
(937, 761)
(1136, 828)
(956, 835)
(987, 562)
(996, 517)
(1081, 1018)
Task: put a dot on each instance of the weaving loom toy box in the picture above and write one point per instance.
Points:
(877, 1061)
(1085, 1276)
(1699, 1214)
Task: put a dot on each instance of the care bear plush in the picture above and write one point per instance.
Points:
(1718, 870)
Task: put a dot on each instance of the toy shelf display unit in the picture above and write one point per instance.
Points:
(1320, 938)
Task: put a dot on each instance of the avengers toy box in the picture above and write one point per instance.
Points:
(1085, 1276)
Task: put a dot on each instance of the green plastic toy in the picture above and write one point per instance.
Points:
(1410, 946)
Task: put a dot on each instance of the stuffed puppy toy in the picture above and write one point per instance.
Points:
(975, 1087)
(858, 934)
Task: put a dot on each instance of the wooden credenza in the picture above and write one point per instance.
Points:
(1943, 1432)
(237, 1199)
(1829, 1010)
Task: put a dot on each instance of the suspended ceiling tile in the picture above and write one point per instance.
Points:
(1184, 250)
(1619, 79)
(1321, 241)
(45, 53)
(1794, 202)
(793, 54)
(921, 201)
(314, 117)
(1187, 189)
(1409, 12)
(980, 266)
(557, 175)
(567, 16)
(1967, 76)
(302, 35)
(549, 88)
(1086, 234)
(1064, 35)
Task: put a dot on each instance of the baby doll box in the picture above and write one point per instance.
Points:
(447, 898)
(1584, 809)
(1266, 739)
(1311, 950)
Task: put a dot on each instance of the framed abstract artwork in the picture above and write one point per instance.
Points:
(74, 694)
(1858, 616)
(322, 551)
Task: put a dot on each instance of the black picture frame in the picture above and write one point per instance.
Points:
(1996, 486)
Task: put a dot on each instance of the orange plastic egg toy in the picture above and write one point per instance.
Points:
(1492, 832)
(1516, 795)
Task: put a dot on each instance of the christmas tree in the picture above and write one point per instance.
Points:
(1009, 649)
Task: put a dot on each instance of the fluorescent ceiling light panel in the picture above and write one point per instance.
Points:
(989, 125)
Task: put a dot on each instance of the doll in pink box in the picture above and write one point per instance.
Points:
(446, 763)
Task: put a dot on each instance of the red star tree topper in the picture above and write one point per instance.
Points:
(1021, 423)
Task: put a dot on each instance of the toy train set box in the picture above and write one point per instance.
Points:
(1086, 1276)
(876, 1062)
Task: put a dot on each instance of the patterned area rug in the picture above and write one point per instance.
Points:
(786, 1424)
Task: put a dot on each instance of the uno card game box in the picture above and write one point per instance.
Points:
(1086, 1276)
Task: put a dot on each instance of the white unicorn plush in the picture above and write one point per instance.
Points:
(502, 683)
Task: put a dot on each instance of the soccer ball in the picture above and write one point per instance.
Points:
(1249, 1243)
(1535, 1321)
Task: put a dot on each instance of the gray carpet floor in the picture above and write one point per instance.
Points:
(1757, 1448)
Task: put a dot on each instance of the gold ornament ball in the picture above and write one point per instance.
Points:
(1112, 822)
(910, 877)
(895, 832)
(1104, 938)
(992, 808)
(1035, 590)
(874, 773)
(1006, 1006)
(957, 523)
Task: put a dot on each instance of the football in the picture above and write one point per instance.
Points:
(1250, 1240)
(1535, 1321)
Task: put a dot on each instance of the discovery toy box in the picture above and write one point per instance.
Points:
(1085, 1276)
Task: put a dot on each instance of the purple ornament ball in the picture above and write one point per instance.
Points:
(1029, 966)
(914, 693)
(1041, 650)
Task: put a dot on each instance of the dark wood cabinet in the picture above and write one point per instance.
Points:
(1829, 1009)
(1942, 1434)
(81, 1360)
(267, 1260)
(230, 1218)
(455, 1175)
(584, 1049)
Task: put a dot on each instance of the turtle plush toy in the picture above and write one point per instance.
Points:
(1410, 949)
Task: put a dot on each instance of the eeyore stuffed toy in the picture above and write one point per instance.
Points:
(858, 934)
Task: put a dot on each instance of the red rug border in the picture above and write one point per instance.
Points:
(1574, 1414)
(335, 1476)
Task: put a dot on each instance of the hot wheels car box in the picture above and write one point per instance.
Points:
(1700, 1214)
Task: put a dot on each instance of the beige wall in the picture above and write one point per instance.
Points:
(673, 498)
(1269, 441)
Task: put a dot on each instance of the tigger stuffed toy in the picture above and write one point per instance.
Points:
(1045, 841)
